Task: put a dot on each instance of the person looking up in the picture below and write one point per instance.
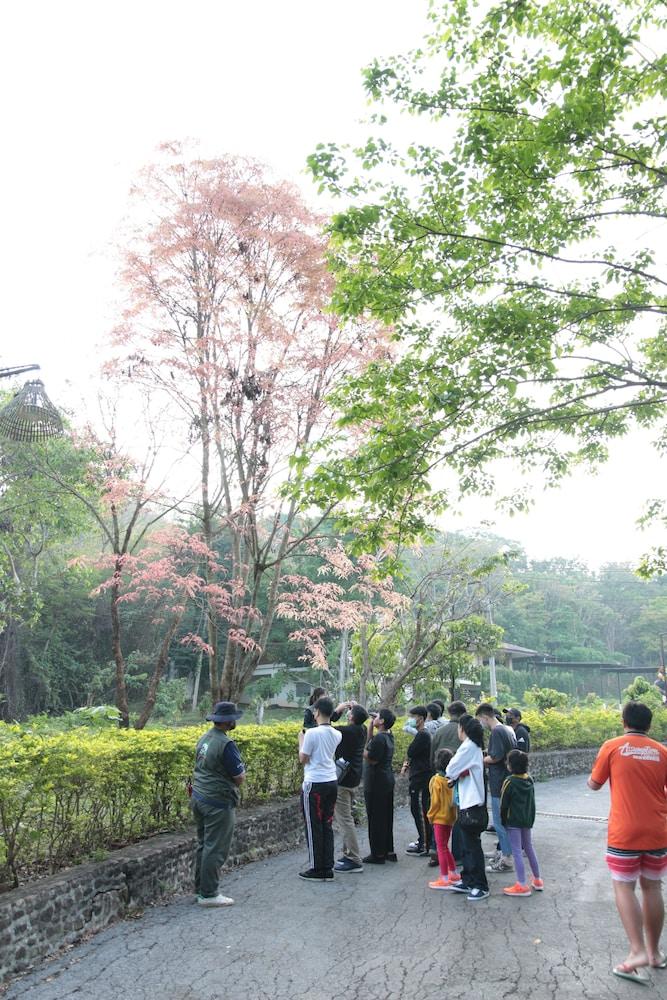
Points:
(379, 787)
(351, 751)
(418, 766)
(308, 715)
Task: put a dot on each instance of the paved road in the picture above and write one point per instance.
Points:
(381, 935)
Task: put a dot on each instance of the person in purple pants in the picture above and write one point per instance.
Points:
(517, 812)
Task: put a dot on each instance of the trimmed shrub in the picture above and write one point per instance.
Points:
(65, 796)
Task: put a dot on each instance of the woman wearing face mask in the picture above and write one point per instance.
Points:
(466, 768)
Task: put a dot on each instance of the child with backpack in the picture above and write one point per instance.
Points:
(442, 815)
(517, 812)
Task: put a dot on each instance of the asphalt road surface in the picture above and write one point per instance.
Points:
(379, 935)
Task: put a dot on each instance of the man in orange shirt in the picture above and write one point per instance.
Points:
(636, 768)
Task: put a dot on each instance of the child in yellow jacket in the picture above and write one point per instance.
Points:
(442, 815)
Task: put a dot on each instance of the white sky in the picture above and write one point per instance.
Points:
(91, 89)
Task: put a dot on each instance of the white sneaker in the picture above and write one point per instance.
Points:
(214, 900)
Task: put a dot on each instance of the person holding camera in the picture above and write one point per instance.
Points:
(379, 787)
(349, 763)
(317, 748)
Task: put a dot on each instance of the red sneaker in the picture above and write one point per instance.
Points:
(537, 884)
(440, 883)
(518, 890)
(454, 877)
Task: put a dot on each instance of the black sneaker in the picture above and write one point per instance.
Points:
(476, 894)
(348, 865)
(313, 876)
(328, 875)
(371, 859)
(459, 887)
(392, 857)
(416, 849)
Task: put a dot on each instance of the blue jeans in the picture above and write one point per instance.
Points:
(503, 836)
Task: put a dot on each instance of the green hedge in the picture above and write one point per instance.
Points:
(69, 796)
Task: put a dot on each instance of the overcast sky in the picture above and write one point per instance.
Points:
(91, 89)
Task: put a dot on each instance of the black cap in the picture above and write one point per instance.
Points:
(224, 711)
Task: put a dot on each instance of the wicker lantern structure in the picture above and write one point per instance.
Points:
(30, 417)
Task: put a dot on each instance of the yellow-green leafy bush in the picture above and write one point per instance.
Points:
(64, 796)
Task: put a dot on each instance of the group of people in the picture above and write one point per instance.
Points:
(450, 780)
(451, 777)
(448, 785)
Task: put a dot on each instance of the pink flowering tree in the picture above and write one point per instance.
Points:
(227, 316)
(357, 594)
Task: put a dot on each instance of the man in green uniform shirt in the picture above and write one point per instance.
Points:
(219, 772)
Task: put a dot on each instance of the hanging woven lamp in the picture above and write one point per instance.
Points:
(30, 416)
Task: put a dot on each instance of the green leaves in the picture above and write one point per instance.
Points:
(506, 246)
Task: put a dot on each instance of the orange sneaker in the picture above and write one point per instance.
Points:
(538, 884)
(454, 877)
(518, 890)
(440, 883)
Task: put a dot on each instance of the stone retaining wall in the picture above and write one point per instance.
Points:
(38, 919)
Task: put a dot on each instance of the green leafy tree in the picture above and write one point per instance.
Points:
(40, 523)
(504, 245)
(446, 596)
(642, 690)
(545, 698)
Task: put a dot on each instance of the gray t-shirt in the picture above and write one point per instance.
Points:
(500, 744)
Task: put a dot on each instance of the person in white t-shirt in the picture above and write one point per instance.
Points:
(317, 749)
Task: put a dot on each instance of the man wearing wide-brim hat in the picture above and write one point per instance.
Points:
(219, 772)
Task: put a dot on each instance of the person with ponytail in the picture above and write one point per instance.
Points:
(466, 770)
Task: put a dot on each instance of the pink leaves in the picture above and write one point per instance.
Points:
(361, 596)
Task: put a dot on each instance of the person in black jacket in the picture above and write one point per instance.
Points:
(308, 717)
(350, 751)
(418, 766)
(521, 731)
(379, 787)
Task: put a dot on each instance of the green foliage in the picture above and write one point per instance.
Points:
(170, 699)
(643, 690)
(67, 796)
(534, 334)
(545, 698)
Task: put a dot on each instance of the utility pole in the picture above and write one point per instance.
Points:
(492, 663)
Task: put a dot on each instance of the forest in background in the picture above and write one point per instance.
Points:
(57, 648)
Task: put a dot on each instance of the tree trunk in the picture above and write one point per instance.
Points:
(365, 664)
(197, 678)
(13, 705)
(121, 687)
(161, 662)
(390, 689)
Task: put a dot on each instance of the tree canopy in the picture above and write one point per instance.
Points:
(514, 245)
